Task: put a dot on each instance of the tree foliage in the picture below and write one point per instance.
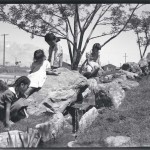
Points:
(74, 22)
(141, 27)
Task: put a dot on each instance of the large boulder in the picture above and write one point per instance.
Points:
(119, 141)
(87, 119)
(112, 75)
(56, 94)
(53, 128)
(111, 92)
(132, 67)
(106, 94)
(126, 84)
(57, 91)
(129, 75)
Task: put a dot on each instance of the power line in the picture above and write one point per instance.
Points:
(4, 49)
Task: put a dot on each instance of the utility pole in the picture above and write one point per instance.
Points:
(125, 56)
(4, 50)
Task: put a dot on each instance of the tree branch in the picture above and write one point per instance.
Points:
(87, 40)
(90, 18)
(60, 7)
(52, 26)
(78, 19)
(69, 46)
(147, 41)
(122, 27)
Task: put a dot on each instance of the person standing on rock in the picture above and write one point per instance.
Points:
(55, 50)
(11, 107)
(39, 69)
(92, 64)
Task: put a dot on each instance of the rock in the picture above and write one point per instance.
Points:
(126, 84)
(14, 136)
(132, 67)
(143, 63)
(111, 92)
(129, 75)
(57, 91)
(119, 141)
(53, 128)
(76, 144)
(87, 119)
(89, 93)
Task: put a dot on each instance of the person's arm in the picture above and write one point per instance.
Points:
(7, 119)
(81, 69)
(98, 59)
(8, 99)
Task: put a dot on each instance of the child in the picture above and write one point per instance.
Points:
(39, 70)
(55, 50)
(11, 109)
(94, 55)
(91, 65)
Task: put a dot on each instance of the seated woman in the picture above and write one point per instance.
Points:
(91, 65)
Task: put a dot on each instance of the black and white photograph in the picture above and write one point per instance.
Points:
(74, 75)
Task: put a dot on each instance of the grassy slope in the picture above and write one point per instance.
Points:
(132, 119)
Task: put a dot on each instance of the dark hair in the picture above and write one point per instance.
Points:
(51, 37)
(22, 79)
(96, 46)
(38, 54)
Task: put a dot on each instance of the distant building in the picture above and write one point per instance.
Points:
(109, 67)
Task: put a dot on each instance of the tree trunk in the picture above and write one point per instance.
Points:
(75, 50)
(77, 58)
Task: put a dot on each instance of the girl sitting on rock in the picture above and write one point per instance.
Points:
(92, 65)
(11, 107)
(39, 69)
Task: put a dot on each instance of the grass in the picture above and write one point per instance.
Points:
(132, 119)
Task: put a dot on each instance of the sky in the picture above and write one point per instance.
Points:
(20, 46)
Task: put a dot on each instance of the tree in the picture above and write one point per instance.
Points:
(74, 22)
(141, 27)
